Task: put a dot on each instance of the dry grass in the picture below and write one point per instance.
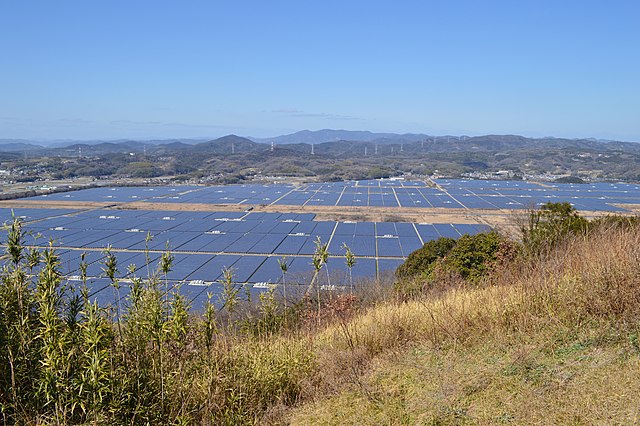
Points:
(521, 381)
(592, 278)
(551, 342)
(241, 381)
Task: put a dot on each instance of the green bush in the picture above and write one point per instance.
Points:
(469, 258)
(472, 255)
(421, 261)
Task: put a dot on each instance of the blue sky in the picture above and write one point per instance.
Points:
(166, 69)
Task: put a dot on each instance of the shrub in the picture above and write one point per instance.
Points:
(421, 261)
(444, 261)
(472, 255)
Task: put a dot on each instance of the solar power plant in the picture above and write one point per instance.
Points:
(447, 193)
(117, 194)
(253, 245)
(204, 244)
(518, 195)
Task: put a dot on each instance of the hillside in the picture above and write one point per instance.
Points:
(17, 145)
(557, 345)
(544, 334)
(337, 155)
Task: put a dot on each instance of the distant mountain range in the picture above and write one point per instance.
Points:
(334, 155)
(308, 137)
(369, 144)
(17, 145)
(328, 135)
(304, 136)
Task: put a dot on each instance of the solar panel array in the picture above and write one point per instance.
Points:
(252, 243)
(205, 243)
(601, 196)
(450, 193)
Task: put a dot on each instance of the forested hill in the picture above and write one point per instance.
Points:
(372, 155)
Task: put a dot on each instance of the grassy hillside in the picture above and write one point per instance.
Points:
(552, 342)
(547, 337)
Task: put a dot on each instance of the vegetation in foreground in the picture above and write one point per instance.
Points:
(545, 335)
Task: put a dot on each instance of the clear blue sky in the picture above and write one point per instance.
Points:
(114, 69)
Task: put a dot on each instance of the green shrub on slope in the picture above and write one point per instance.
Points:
(469, 256)
(422, 260)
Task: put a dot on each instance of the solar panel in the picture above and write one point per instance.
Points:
(253, 241)
(389, 247)
(388, 265)
(409, 244)
(212, 270)
(446, 230)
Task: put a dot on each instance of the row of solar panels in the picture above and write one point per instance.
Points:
(464, 193)
(511, 185)
(196, 275)
(198, 293)
(209, 268)
(258, 233)
(228, 194)
(469, 194)
(66, 216)
(588, 193)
